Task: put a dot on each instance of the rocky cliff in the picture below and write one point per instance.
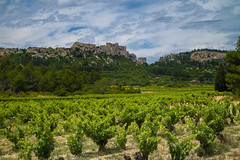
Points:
(196, 55)
(109, 49)
(142, 60)
(170, 57)
(203, 56)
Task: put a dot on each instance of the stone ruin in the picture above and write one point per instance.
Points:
(109, 48)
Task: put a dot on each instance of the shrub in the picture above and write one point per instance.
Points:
(179, 150)
(15, 138)
(205, 135)
(146, 136)
(75, 143)
(100, 129)
(122, 137)
(45, 145)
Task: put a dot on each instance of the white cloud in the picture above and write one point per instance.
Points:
(2, 2)
(19, 36)
(157, 28)
(213, 5)
(101, 19)
(177, 40)
(42, 14)
(63, 2)
(236, 10)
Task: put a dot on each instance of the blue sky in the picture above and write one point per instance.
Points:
(146, 27)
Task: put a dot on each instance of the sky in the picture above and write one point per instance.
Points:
(149, 28)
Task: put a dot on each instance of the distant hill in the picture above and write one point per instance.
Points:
(202, 55)
(82, 53)
(113, 61)
(196, 65)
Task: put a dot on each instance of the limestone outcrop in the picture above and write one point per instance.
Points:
(203, 56)
(38, 51)
(142, 60)
(109, 49)
(170, 57)
(196, 55)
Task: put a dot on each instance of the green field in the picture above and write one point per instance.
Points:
(192, 122)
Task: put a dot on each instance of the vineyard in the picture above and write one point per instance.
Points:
(160, 123)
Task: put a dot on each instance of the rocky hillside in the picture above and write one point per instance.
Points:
(111, 61)
(197, 65)
(196, 55)
(109, 49)
(207, 55)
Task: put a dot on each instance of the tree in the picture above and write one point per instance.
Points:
(238, 45)
(233, 75)
(68, 79)
(19, 83)
(48, 82)
(31, 76)
(220, 80)
(102, 85)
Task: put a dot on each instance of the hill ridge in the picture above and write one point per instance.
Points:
(200, 55)
(109, 49)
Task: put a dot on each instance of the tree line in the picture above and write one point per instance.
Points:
(17, 78)
(169, 71)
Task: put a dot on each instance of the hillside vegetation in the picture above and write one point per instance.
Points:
(198, 65)
(85, 68)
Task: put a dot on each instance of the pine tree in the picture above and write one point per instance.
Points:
(233, 75)
(220, 80)
(238, 45)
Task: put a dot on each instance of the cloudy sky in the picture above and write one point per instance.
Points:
(146, 27)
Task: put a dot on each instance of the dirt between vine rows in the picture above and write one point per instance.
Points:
(228, 151)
